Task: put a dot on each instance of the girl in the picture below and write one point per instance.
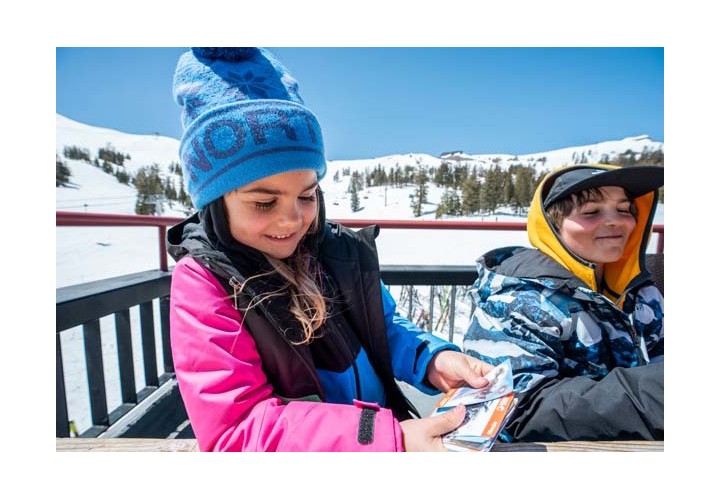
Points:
(577, 315)
(283, 336)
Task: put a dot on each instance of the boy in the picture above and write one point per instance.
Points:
(577, 315)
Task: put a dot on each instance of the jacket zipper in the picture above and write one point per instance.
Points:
(633, 331)
(357, 380)
(636, 342)
(349, 354)
(631, 327)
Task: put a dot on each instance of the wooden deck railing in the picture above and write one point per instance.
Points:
(185, 445)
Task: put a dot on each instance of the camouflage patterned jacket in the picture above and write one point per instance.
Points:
(542, 308)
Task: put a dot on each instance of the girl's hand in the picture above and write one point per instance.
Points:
(425, 434)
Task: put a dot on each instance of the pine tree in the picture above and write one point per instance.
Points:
(421, 192)
(524, 188)
(76, 153)
(508, 189)
(169, 189)
(184, 197)
(355, 184)
(443, 175)
(62, 172)
(492, 191)
(108, 154)
(149, 185)
(122, 176)
(407, 174)
(459, 174)
(449, 204)
(471, 196)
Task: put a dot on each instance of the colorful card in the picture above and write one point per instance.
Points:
(487, 411)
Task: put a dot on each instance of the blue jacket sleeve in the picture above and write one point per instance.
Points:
(411, 348)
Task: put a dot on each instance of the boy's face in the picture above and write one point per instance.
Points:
(598, 230)
(273, 214)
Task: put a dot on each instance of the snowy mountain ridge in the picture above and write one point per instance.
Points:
(149, 149)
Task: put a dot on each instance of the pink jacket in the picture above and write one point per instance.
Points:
(226, 394)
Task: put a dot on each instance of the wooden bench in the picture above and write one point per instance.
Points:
(184, 445)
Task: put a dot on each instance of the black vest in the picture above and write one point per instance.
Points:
(350, 257)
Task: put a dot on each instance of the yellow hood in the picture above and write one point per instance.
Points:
(618, 275)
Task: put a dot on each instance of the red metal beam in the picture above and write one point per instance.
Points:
(101, 219)
(110, 220)
(98, 219)
(433, 224)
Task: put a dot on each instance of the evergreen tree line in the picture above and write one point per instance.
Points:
(107, 159)
(152, 189)
(467, 191)
(470, 191)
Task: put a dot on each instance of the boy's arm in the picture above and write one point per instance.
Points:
(649, 321)
(627, 404)
(521, 326)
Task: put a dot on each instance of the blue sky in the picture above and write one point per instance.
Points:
(386, 100)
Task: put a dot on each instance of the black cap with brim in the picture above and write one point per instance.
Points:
(636, 180)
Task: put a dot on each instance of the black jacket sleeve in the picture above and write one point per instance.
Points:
(627, 404)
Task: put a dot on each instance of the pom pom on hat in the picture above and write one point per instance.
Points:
(225, 53)
(243, 119)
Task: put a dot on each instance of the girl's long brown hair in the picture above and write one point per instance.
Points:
(301, 273)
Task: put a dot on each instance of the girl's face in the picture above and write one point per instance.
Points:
(273, 214)
(598, 230)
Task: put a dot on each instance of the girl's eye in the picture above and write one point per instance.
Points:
(308, 199)
(264, 206)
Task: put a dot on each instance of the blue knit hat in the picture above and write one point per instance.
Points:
(243, 120)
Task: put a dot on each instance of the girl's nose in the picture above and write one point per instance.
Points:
(290, 214)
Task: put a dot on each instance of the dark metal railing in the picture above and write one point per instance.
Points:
(84, 305)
